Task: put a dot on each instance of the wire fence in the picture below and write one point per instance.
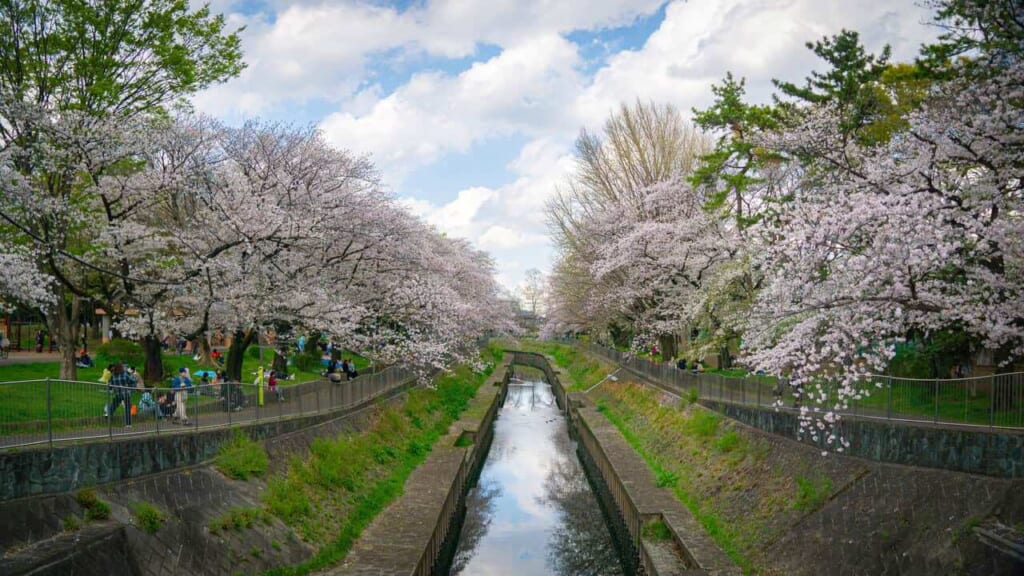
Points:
(994, 401)
(52, 411)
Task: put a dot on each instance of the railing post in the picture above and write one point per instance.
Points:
(992, 402)
(936, 417)
(888, 403)
(110, 416)
(966, 400)
(195, 409)
(49, 414)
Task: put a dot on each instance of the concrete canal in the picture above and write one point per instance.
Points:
(532, 510)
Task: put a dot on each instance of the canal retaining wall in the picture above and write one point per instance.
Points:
(627, 486)
(416, 534)
(992, 453)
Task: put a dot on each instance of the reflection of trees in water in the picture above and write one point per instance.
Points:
(531, 393)
(581, 544)
(479, 513)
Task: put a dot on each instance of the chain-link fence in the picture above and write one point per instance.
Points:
(52, 411)
(994, 401)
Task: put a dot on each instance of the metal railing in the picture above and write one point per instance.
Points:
(52, 411)
(994, 401)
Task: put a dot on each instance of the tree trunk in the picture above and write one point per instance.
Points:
(724, 358)
(63, 324)
(236, 353)
(204, 351)
(153, 371)
(280, 361)
(667, 344)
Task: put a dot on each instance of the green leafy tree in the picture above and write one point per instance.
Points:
(731, 171)
(847, 82)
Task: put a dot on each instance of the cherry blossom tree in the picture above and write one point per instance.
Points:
(75, 81)
(921, 234)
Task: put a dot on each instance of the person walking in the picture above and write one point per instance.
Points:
(181, 386)
(120, 387)
(39, 341)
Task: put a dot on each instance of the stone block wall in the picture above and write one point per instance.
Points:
(991, 452)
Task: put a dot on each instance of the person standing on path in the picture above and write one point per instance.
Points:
(181, 385)
(121, 384)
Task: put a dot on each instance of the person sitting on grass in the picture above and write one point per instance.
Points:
(147, 405)
(165, 404)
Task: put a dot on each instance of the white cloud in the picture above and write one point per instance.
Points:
(533, 87)
(700, 40)
(525, 89)
(297, 51)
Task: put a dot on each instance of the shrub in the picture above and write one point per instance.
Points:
(86, 498)
(148, 517)
(811, 492)
(99, 511)
(124, 351)
(71, 523)
(95, 509)
(693, 396)
(242, 457)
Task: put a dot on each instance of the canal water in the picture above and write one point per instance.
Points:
(532, 510)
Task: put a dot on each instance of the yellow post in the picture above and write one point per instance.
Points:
(259, 385)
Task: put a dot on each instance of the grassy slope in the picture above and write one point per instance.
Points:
(331, 495)
(741, 486)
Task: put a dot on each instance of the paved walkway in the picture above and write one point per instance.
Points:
(29, 357)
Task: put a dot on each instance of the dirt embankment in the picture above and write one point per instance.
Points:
(779, 507)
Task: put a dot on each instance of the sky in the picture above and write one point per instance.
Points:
(470, 108)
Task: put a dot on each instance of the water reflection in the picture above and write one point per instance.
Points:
(532, 511)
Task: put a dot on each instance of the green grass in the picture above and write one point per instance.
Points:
(239, 519)
(719, 531)
(148, 517)
(657, 531)
(242, 458)
(703, 423)
(27, 402)
(811, 492)
(332, 495)
(728, 442)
